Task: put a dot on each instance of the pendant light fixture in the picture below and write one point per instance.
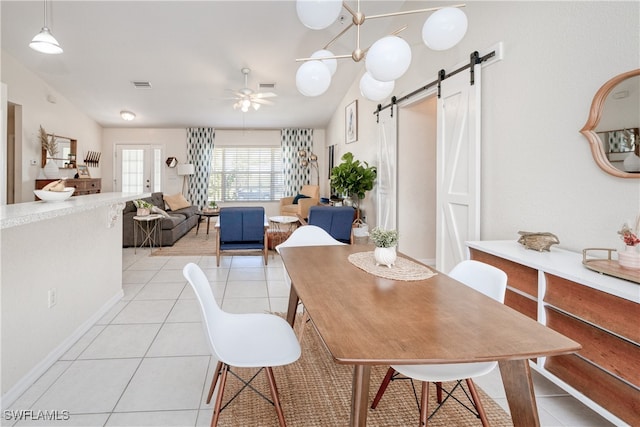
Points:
(386, 60)
(44, 41)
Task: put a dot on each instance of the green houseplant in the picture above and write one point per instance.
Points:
(385, 241)
(353, 178)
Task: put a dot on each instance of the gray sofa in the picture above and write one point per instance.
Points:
(173, 227)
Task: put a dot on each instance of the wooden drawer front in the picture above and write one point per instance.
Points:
(610, 312)
(611, 353)
(616, 396)
(524, 305)
(520, 277)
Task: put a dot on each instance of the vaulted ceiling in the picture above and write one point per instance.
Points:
(191, 52)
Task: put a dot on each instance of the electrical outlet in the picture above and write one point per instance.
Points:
(52, 297)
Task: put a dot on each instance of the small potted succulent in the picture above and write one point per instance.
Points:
(213, 205)
(386, 242)
(144, 208)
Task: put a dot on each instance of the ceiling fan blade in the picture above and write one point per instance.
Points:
(262, 101)
(264, 95)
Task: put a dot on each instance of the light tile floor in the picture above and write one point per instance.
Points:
(146, 361)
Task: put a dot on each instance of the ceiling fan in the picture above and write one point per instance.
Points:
(247, 98)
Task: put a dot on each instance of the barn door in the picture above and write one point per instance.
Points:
(458, 168)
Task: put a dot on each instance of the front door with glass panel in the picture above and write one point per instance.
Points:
(138, 168)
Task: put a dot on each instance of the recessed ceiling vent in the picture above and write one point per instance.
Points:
(267, 85)
(139, 84)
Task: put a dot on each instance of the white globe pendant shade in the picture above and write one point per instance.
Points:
(444, 28)
(375, 90)
(318, 14)
(313, 78)
(332, 64)
(388, 58)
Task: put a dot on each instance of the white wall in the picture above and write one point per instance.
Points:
(60, 118)
(538, 173)
(59, 253)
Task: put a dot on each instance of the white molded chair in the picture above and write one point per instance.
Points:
(484, 278)
(307, 235)
(252, 340)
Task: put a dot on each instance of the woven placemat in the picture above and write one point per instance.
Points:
(404, 269)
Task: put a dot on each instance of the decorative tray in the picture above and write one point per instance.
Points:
(609, 266)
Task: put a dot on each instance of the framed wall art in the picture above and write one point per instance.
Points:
(83, 171)
(351, 122)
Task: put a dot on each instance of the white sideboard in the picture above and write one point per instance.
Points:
(600, 312)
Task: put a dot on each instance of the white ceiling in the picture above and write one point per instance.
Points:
(191, 52)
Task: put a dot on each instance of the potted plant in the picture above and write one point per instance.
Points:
(213, 205)
(386, 242)
(50, 145)
(353, 178)
(144, 208)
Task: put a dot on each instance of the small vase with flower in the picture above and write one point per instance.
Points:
(630, 257)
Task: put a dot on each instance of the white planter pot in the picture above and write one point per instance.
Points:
(51, 170)
(629, 258)
(385, 256)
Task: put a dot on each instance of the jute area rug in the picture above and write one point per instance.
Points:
(190, 244)
(316, 392)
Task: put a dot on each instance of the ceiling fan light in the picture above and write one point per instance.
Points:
(245, 103)
(318, 14)
(375, 90)
(44, 42)
(388, 58)
(313, 78)
(444, 28)
(332, 64)
(255, 106)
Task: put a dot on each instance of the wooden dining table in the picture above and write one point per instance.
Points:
(365, 320)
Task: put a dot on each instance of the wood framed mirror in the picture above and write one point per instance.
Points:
(67, 153)
(613, 123)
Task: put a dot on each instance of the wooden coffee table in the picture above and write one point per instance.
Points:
(208, 214)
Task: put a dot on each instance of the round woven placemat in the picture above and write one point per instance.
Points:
(404, 269)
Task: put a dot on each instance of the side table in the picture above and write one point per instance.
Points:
(208, 214)
(282, 227)
(148, 225)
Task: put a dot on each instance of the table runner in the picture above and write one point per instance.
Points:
(404, 269)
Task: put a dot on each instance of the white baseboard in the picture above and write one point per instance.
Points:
(32, 376)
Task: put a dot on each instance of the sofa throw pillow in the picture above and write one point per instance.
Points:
(298, 197)
(157, 210)
(176, 201)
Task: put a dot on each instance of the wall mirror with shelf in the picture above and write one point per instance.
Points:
(613, 126)
(66, 158)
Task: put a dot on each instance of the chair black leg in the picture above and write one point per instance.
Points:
(216, 408)
(383, 387)
(477, 402)
(214, 381)
(274, 395)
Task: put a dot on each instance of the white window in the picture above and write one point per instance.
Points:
(246, 174)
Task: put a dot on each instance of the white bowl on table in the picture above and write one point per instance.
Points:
(54, 196)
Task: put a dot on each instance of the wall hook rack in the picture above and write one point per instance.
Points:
(92, 158)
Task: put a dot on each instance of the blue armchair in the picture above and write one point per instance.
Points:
(242, 228)
(337, 221)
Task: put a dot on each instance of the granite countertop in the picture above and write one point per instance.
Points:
(29, 212)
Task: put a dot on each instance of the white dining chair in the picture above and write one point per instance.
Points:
(492, 282)
(307, 235)
(252, 340)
